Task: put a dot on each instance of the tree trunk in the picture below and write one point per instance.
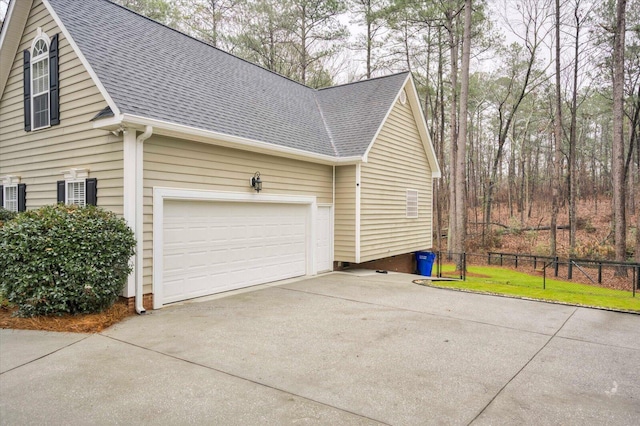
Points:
(617, 166)
(461, 152)
(452, 235)
(571, 169)
(558, 143)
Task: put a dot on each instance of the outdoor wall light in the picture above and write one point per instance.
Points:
(256, 183)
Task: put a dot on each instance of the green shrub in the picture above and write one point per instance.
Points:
(64, 259)
(6, 216)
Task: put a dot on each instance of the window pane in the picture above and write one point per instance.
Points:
(76, 193)
(11, 198)
(41, 110)
(40, 76)
(39, 48)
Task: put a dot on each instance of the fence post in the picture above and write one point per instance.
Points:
(599, 272)
(464, 266)
(570, 269)
(555, 261)
(535, 263)
(516, 261)
(637, 285)
(489, 258)
(500, 259)
(544, 276)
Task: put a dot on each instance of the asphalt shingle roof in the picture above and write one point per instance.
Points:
(153, 71)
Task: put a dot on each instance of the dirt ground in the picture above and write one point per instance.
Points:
(86, 323)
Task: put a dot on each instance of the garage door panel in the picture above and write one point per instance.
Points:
(211, 247)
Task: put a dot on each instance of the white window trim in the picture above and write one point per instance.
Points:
(35, 59)
(417, 204)
(5, 197)
(9, 181)
(66, 192)
(75, 175)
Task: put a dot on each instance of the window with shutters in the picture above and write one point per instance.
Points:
(13, 194)
(412, 203)
(78, 188)
(10, 198)
(40, 82)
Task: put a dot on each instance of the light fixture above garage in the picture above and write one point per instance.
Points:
(256, 183)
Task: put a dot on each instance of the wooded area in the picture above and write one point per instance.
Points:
(531, 104)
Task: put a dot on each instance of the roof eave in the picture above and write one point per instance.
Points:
(170, 129)
(10, 36)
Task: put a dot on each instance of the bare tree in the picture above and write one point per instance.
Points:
(461, 151)
(619, 220)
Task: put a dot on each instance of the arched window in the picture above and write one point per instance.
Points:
(41, 86)
(40, 81)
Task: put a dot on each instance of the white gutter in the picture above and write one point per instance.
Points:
(166, 128)
(139, 218)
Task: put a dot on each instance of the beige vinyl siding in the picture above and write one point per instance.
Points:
(177, 163)
(40, 156)
(397, 162)
(345, 214)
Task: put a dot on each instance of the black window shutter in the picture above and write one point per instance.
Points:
(54, 82)
(61, 191)
(1, 196)
(22, 197)
(91, 192)
(27, 90)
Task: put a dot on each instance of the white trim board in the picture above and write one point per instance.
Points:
(160, 194)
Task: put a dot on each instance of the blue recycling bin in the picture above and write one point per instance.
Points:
(425, 261)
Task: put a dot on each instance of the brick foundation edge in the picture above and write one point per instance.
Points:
(147, 302)
(401, 263)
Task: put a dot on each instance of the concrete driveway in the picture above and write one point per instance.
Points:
(336, 349)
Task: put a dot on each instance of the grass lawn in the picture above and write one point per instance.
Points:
(487, 279)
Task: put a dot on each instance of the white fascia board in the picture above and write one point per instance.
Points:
(7, 20)
(418, 115)
(166, 128)
(82, 58)
(384, 120)
(15, 21)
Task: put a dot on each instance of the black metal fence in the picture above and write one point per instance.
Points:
(588, 275)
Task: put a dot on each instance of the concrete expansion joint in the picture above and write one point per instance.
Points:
(380, 305)
(47, 354)
(177, 358)
(524, 366)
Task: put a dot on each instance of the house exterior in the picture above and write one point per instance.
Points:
(99, 105)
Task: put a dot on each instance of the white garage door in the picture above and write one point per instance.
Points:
(211, 247)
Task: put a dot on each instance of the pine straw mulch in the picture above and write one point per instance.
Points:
(83, 323)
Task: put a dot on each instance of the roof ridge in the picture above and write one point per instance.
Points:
(363, 81)
(208, 45)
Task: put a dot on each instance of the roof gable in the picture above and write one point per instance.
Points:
(147, 71)
(351, 109)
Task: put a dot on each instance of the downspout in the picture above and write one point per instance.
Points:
(139, 218)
